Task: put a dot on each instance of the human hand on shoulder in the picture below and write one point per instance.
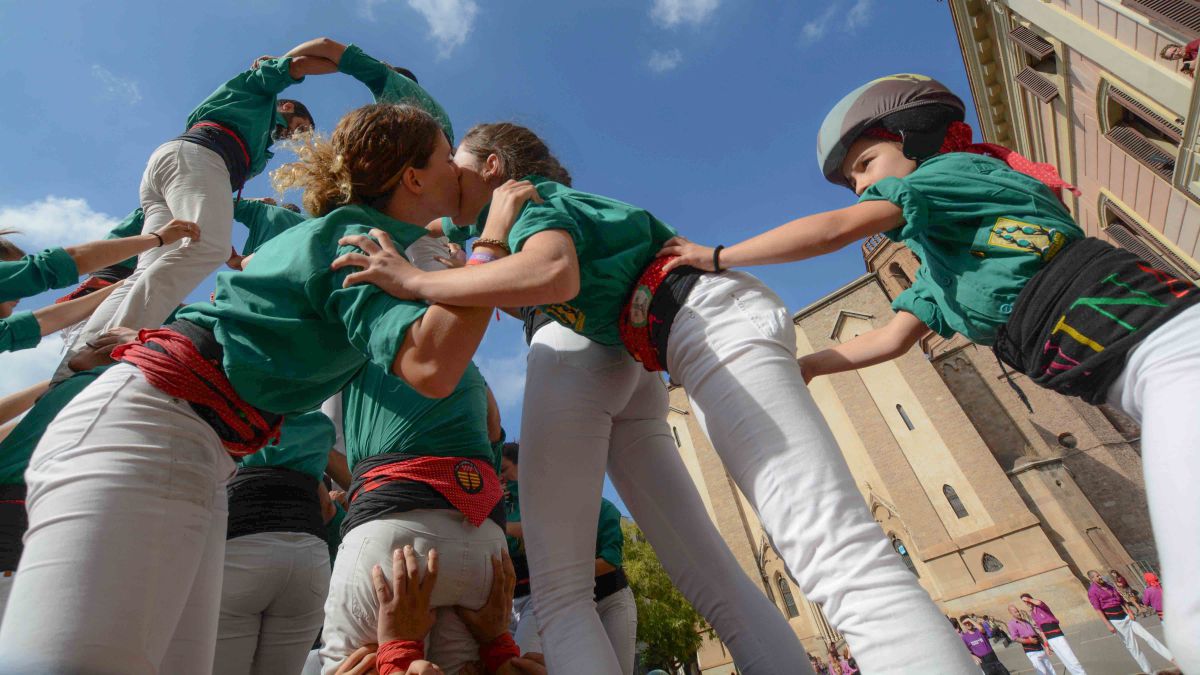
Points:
(507, 202)
(258, 62)
(382, 265)
(689, 253)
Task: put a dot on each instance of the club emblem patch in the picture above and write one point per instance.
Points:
(639, 306)
(468, 477)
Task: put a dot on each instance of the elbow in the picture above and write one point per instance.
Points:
(562, 282)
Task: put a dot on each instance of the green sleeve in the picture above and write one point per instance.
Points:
(910, 200)
(459, 234)
(539, 218)
(375, 322)
(389, 86)
(917, 300)
(19, 331)
(264, 221)
(33, 274)
(268, 79)
(131, 226)
(609, 540)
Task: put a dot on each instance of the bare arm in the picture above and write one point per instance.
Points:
(495, 429)
(338, 469)
(303, 66)
(604, 567)
(57, 317)
(16, 403)
(546, 271)
(6, 430)
(882, 344)
(802, 238)
(514, 529)
(322, 47)
(438, 347)
(99, 254)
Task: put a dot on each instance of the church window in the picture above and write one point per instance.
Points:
(955, 503)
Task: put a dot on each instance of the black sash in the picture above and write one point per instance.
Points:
(13, 523)
(224, 145)
(273, 499)
(1076, 320)
(607, 584)
(665, 304)
(1115, 613)
(1051, 629)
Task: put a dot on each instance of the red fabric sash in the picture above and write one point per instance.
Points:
(636, 319)
(958, 139)
(394, 657)
(184, 373)
(469, 488)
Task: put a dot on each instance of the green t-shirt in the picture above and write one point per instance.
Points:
(19, 331)
(981, 231)
(292, 335)
(246, 104)
(391, 87)
(18, 446)
(264, 221)
(610, 542)
(380, 413)
(131, 226)
(35, 273)
(304, 444)
(613, 241)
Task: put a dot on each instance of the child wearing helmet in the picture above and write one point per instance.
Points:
(1005, 265)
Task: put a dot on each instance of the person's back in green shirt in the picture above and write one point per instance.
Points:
(265, 221)
(304, 444)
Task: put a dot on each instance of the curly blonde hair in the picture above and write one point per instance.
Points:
(8, 250)
(362, 162)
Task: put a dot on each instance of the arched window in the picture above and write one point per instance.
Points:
(902, 551)
(897, 273)
(991, 563)
(904, 416)
(785, 591)
(955, 502)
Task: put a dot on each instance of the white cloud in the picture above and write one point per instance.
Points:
(851, 19)
(450, 21)
(117, 87)
(29, 366)
(671, 13)
(661, 62)
(55, 221)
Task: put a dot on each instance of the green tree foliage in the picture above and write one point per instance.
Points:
(669, 628)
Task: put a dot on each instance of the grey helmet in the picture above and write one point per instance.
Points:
(917, 107)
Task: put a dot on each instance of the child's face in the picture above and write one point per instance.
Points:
(872, 159)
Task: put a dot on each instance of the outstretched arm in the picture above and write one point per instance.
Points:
(59, 316)
(322, 47)
(99, 254)
(799, 239)
(882, 344)
(16, 403)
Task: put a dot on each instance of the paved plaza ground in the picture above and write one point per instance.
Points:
(1098, 651)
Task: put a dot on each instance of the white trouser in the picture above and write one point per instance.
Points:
(272, 603)
(464, 578)
(618, 613)
(1041, 662)
(524, 626)
(1129, 630)
(185, 181)
(1062, 649)
(733, 348)
(1159, 388)
(6, 584)
(588, 407)
(121, 572)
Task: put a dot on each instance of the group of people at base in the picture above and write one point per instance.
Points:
(203, 423)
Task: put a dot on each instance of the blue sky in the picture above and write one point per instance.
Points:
(703, 111)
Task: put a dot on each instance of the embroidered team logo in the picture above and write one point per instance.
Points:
(639, 306)
(468, 477)
(1027, 237)
(566, 315)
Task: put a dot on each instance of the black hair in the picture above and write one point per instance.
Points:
(510, 451)
(298, 108)
(406, 72)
